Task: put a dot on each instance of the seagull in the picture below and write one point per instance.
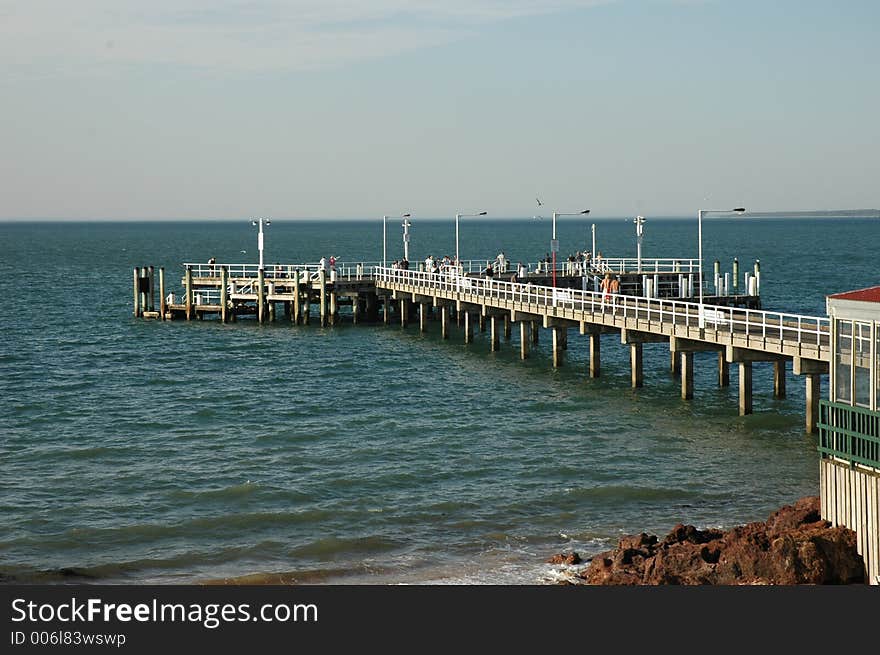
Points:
(243, 251)
(538, 200)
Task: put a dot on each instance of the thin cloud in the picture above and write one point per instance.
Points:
(39, 37)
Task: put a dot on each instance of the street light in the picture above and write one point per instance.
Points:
(701, 320)
(554, 242)
(385, 239)
(261, 222)
(406, 225)
(457, 217)
(640, 230)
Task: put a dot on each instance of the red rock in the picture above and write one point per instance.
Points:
(565, 558)
(794, 546)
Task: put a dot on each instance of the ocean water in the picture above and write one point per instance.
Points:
(140, 451)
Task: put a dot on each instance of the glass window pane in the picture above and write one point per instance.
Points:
(842, 362)
(862, 362)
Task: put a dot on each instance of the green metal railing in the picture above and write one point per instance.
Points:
(850, 433)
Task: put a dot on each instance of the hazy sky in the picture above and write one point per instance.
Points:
(358, 108)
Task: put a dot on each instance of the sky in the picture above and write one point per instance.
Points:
(193, 109)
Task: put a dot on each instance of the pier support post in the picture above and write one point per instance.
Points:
(270, 304)
(687, 374)
(637, 377)
(507, 327)
(334, 306)
(151, 293)
(468, 327)
(674, 363)
(322, 296)
(535, 332)
(223, 292)
(423, 317)
(745, 388)
(482, 320)
(355, 310)
(261, 295)
(162, 306)
(558, 349)
(444, 322)
(524, 338)
(296, 314)
(595, 354)
(779, 379)
(814, 392)
(137, 292)
(494, 334)
(386, 310)
(723, 370)
(404, 310)
(188, 286)
(371, 307)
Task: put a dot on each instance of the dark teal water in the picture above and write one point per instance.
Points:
(136, 450)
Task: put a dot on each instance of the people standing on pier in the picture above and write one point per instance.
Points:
(488, 272)
(501, 262)
(606, 289)
(211, 263)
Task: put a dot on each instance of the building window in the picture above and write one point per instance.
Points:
(862, 363)
(843, 362)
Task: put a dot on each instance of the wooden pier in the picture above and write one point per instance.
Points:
(655, 305)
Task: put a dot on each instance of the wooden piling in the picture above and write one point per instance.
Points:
(188, 286)
(296, 314)
(779, 379)
(494, 341)
(137, 292)
(423, 319)
(482, 320)
(535, 332)
(403, 304)
(261, 296)
(334, 306)
(595, 354)
(687, 375)
(386, 310)
(468, 327)
(162, 305)
(745, 388)
(507, 329)
(322, 296)
(637, 376)
(355, 310)
(558, 350)
(674, 363)
(270, 303)
(223, 293)
(151, 297)
(524, 338)
(444, 322)
(723, 370)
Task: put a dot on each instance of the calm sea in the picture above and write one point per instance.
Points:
(141, 451)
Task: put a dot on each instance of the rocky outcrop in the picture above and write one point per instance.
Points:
(793, 546)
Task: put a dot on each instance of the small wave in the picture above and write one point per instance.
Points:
(629, 493)
(233, 491)
(333, 547)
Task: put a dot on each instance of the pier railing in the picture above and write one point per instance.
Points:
(568, 303)
(352, 270)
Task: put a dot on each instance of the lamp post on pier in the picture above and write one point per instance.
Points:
(261, 222)
(554, 242)
(406, 225)
(701, 320)
(640, 231)
(457, 218)
(385, 238)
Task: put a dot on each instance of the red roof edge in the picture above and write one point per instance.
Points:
(870, 294)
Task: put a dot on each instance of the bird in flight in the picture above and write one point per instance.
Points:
(538, 200)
